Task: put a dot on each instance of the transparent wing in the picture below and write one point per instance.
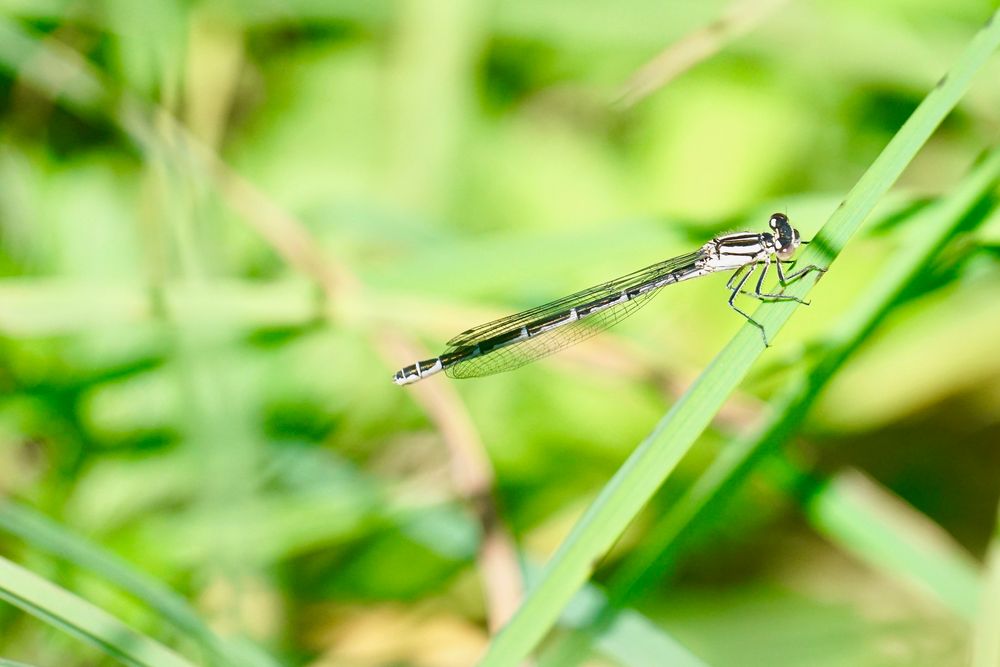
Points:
(597, 292)
(523, 352)
(519, 339)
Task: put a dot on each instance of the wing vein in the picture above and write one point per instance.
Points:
(513, 341)
(634, 279)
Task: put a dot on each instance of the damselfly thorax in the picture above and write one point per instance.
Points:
(519, 339)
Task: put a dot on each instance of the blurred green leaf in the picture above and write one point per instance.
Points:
(883, 531)
(43, 534)
(64, 610)
(985, 640)
(633, 640)
(171, 391)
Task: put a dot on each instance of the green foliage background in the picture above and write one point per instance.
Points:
(224, 225)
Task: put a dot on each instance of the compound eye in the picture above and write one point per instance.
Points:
(777, 220)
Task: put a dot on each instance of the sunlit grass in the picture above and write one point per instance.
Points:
(843, 511)
(222, 228)
(637, 480)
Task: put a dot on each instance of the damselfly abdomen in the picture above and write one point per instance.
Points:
(519, 339)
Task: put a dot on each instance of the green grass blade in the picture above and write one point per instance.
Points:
(880, 529)
(66, 611)
(986, 632)
(644, 471)
(930, 233)
(41, 533)
(633, 640)
(934, 227)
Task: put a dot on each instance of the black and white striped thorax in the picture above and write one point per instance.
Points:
(518, 339)
(731, 251)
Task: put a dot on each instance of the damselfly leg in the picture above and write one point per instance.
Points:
(737, 289)
(742, 275)
(767, 296)
(785, 280)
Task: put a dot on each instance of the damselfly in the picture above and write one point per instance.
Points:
(519, 339)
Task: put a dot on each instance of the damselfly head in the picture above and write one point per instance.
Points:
(786, 237)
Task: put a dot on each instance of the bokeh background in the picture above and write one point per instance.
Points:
(226, 224)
